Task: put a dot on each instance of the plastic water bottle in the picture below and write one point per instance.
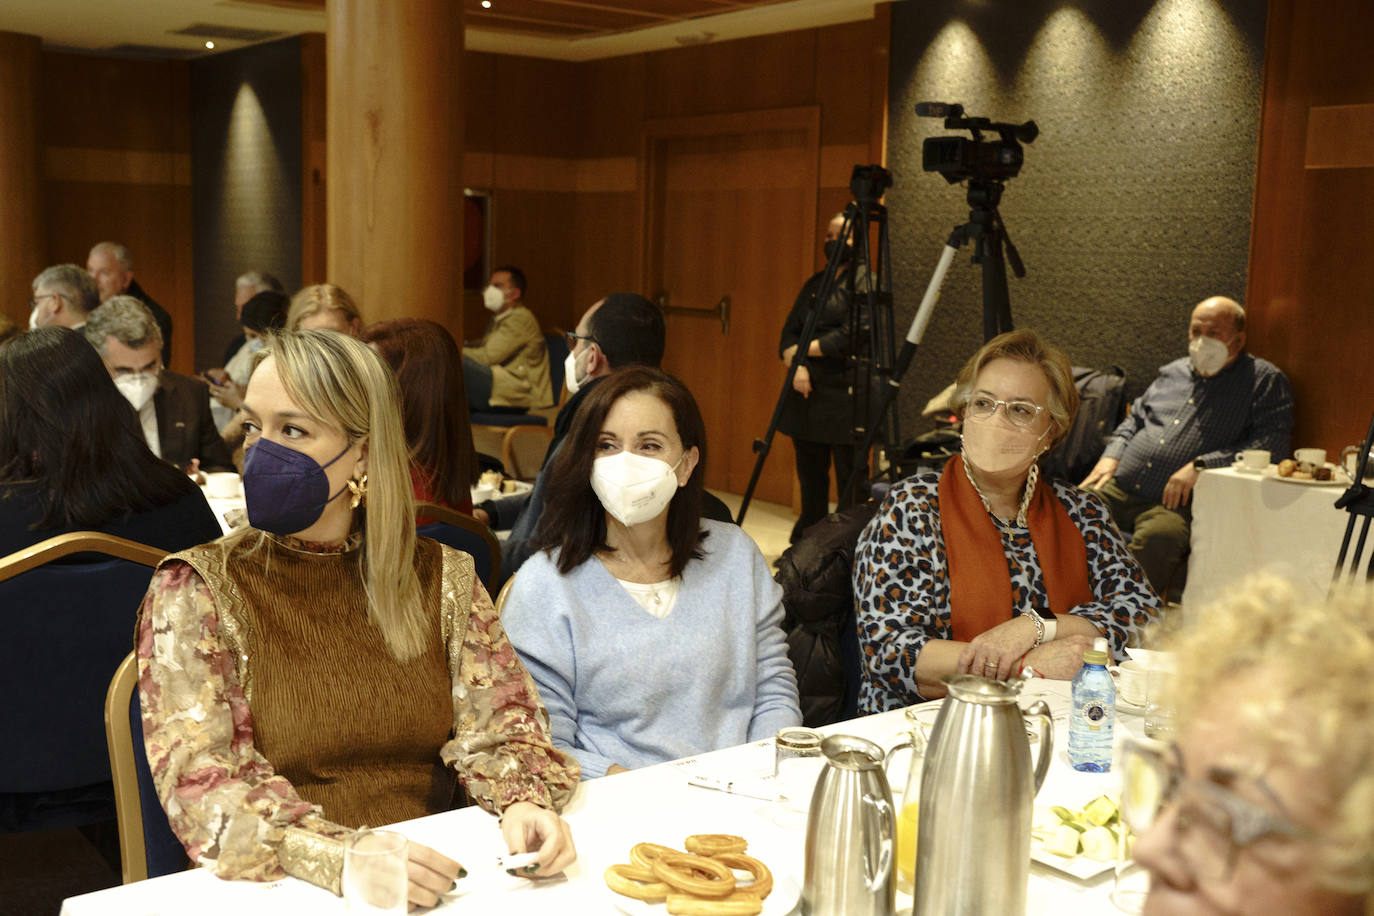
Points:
(1093, 713)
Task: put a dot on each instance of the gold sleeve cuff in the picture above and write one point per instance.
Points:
(313, 857)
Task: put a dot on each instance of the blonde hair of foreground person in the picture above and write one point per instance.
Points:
(311, 300)
(340, 381)
(1313, 664)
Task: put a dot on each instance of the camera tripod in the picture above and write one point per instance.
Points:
(993, 247)
(872, 345)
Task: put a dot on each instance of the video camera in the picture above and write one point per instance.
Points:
(959, 158)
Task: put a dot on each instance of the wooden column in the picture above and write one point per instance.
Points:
(23, 254)
(395, 153)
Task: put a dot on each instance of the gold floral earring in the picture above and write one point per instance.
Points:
(357, 488)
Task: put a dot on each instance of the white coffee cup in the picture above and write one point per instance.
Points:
(1309, 458)
(222, 485)
(1254, 459)
(1130, 681)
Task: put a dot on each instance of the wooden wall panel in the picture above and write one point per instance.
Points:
(748, 74)
(117, 141)
(314, 250)
(21, 157)
(1311, 279)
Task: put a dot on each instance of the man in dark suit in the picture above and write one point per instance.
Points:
(112, 267)
(173, 409)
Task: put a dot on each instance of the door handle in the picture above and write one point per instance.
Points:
(721, 311)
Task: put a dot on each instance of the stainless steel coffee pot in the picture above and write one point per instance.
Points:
(973, 845)
(850, 834)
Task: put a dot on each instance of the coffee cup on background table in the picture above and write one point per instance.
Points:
(1253, 459)
(1350, 460)
(222, 485)
(1130, 679)
(1309, 459)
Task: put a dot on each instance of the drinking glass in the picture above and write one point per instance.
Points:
(797, 763)
(1131, 884)
(374, 876)
(1159, 708)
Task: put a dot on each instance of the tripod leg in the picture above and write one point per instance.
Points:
(996, 296)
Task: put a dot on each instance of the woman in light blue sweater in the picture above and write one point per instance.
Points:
(651, 633)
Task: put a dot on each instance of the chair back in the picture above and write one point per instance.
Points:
(68, 625)
(465, 533)
(557, 344)
(147, 846)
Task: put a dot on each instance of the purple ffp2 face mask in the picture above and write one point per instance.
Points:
(285, 490)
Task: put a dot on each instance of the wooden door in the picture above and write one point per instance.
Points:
(731, 211)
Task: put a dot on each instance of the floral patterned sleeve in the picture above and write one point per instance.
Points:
(500, 746)
(224, 801)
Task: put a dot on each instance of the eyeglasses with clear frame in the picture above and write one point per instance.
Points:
(1211, 822)
(34, 300)
(1018, 413)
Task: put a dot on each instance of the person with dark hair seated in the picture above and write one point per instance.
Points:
(652, 633)
(508, 368)
(434, 409)
(73, 458)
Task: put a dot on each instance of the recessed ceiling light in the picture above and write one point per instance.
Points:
(209, 46)
(486, 4)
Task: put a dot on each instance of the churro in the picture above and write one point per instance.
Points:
(713, 844)
(763, 878)
(693, 874)
(644, 854)
(635, 881)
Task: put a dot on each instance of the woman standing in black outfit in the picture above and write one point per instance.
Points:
(73, 456)
(818, 412)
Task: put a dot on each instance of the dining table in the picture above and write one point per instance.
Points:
(655, 804)
(1247, 522)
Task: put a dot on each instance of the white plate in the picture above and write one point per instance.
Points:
(1081, 867)
(780, 902)
(1338, 477)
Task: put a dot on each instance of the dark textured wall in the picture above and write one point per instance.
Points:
(245, 179)
(1133, 204)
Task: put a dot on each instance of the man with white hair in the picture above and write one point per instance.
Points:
(63, 295)
(246, 287)
(112, 266)
(173, 409)
(1199, 413)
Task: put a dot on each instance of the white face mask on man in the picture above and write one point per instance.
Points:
(138, 388)
(493, 298)
(1208, 355)
(634, 488)
(570, 372)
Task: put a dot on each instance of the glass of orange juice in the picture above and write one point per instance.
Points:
(910, 804)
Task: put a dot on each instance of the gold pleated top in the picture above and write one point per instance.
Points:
(354, 730)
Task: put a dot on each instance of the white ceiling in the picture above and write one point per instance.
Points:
(102, 26)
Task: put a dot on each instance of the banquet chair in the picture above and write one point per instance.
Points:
(465, 533)
(147, 846)
(1358, 501)
(520, 434)
(67, 626)
(501, 598)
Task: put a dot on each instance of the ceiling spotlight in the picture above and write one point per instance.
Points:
(486, 4)
(209, 46)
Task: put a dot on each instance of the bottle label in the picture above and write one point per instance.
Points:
(1095, 712)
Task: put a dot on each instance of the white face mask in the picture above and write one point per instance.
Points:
(33, 319)
(998, 448)
(138, 388)
(493, 298)
(1208, 355)
(256, 344)
(570, 373)
(634, 488)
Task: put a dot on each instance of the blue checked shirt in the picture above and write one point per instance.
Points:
(1183, 416)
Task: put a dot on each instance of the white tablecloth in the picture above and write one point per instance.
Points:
(611, 814)
(1245, 523)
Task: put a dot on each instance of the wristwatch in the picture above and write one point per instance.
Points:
(1199, 464)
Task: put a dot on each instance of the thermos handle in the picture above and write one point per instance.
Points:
(886, 823)
(1038, 710)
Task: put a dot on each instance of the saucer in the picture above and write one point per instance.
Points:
(1242, 469)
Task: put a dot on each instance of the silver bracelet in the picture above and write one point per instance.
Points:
(1039, 628)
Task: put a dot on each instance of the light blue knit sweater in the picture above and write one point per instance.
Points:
(623, 686)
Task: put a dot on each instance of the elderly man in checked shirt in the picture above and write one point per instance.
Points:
(1199, 412)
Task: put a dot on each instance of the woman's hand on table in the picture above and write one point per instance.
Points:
(431, 874)
(527, 827)
(1060, 659)
(994, 653)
